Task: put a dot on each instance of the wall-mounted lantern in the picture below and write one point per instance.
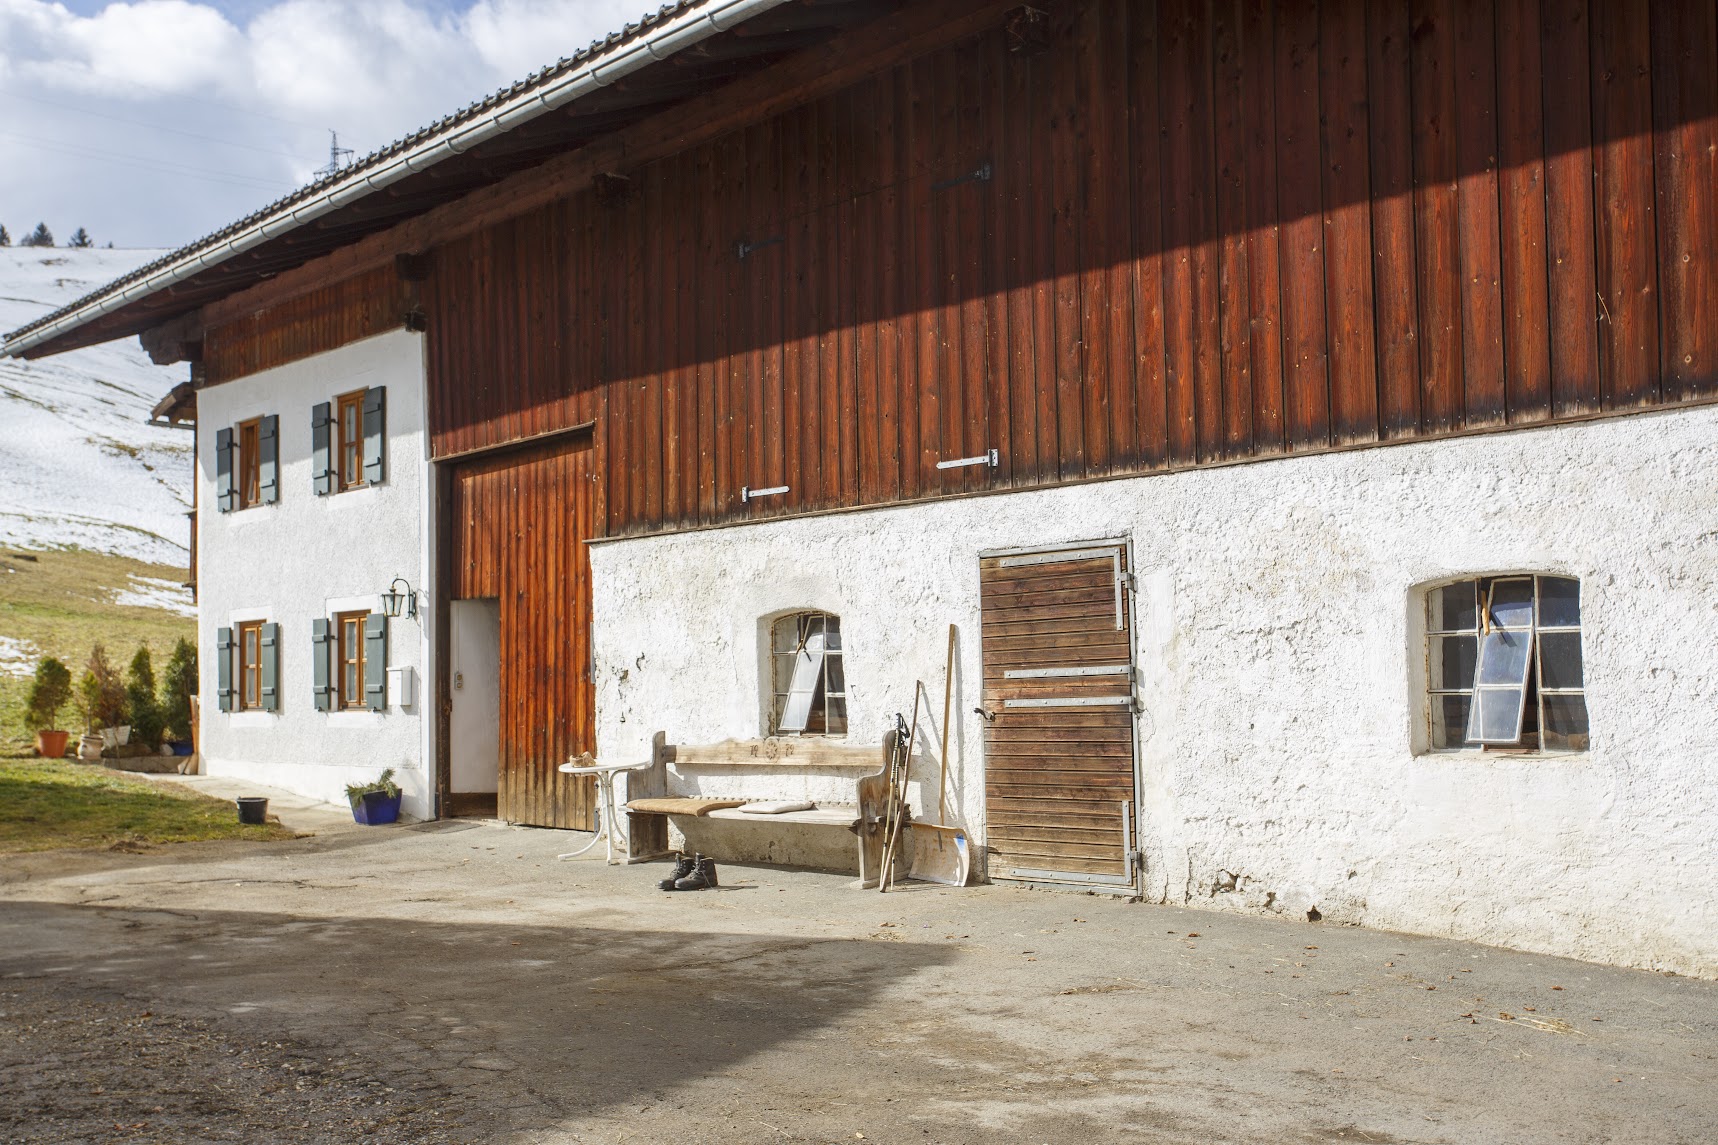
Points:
(394, 601)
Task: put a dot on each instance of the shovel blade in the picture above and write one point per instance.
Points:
(940, 855)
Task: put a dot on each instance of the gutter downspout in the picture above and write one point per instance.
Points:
(674, 36)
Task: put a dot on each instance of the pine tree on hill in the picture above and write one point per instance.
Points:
(80, 239)
(41, 236)
(5, 236)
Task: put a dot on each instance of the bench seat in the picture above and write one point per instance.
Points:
(655, 795)
(833, 815)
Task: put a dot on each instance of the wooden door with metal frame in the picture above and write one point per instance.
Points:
(1059, 715)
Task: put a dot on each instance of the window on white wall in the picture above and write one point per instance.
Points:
(1503, 665)
(810, 678)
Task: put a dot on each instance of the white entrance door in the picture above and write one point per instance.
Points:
(474, 720)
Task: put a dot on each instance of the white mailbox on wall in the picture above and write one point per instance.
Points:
(402, 687)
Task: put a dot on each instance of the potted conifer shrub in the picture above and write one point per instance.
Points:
(103, 692)
(49, 692)
(178, 685)
(377, 802)
(144, 711)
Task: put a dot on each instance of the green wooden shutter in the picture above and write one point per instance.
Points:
(268, 667)
(376, 661)
(322, 448)
(226, 497)
(268, 460)
(375, 433)
(224, 667)
(321, 657)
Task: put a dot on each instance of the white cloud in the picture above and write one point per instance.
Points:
(154, 122)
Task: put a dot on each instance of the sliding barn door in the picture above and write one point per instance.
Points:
(1058, 695)
(519, 522)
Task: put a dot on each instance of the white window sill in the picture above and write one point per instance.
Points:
(356, 719)
(253, 719)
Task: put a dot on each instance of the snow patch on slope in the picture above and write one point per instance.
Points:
(78, 465)
(153, 592)
(17, 657)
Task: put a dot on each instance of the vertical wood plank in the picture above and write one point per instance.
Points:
(1395, 294)
(1347, 223)
(1480, 249)
(1093, 118)
(1264, 239)
(1627, 242)
(1685, 165)
(1437, 219)
(1569, 222)
(1521, 163)
(1233, 222)
(1068, 189)
(1306, 386)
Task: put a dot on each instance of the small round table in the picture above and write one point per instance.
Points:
(608, 815)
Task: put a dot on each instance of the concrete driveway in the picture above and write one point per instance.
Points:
(453, 982)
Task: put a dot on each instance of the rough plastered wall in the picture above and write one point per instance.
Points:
(305, 557)
(1280, 667)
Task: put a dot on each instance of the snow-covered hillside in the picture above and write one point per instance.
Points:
(78, 464)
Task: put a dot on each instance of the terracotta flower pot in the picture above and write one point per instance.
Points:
(51, 744)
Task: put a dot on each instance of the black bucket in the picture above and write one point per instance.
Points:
(253, 809)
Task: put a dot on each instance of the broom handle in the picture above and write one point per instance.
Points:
(948, 695)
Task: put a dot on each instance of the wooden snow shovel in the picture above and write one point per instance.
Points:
(941, 853)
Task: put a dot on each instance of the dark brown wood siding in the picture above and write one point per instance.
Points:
(319, 320)
(1183, 234)
(519, 522)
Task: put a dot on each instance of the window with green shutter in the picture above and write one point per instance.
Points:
(321, 652)
(322, 448)
(224, 668)
(226, 493)
(376, 661)
(268, 667)
(375, 434)
(268, 460)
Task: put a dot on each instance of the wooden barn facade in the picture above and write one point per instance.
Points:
(987, 304)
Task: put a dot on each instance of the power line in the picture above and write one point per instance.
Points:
(338, 157)
(277, 153)
(228, 177)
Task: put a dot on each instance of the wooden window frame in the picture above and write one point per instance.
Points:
(247, 692)
(349, 451)
(247, 476)
(820, 722)
(344, 654)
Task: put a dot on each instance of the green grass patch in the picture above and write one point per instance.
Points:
(48, 805)
(61, 602)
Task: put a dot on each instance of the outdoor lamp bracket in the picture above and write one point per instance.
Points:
(394, 601)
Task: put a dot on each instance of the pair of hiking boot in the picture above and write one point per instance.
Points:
(691, 873)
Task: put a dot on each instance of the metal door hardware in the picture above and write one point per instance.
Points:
(747, 493)
(992, 458)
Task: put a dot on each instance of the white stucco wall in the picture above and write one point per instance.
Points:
(1278, 649)
(305, 557)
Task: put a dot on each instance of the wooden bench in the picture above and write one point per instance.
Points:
(710, 782)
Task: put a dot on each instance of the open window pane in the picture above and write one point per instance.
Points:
(1454, 608)
(1503, 657)
(804, 684)
(1560, 660)
(1565, 723)
(1449, 720)
(1559, 602)
(1496, 716)
(1511, 604)
(1453, 659)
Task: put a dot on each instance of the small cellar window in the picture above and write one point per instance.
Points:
(810, 678)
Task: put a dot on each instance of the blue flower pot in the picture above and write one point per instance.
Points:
(375, 808)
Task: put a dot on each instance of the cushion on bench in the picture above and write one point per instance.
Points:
(673, 806)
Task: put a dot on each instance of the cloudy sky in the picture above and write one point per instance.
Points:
(155, 122)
